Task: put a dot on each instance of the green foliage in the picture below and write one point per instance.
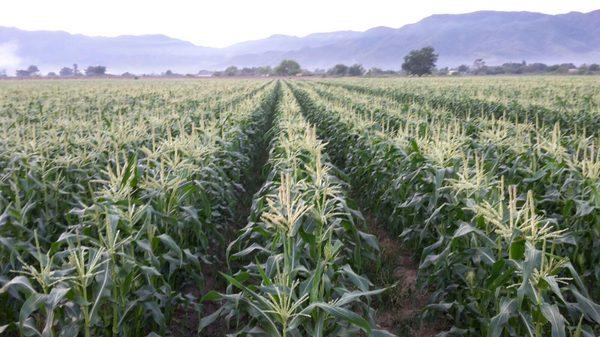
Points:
(287, 68)
(298, 258)
(497, 259)
(338, 70)
(356, 70)
(115, 197)
(420, 62)
(109, 212)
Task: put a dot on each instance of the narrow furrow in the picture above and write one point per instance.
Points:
(254, 139)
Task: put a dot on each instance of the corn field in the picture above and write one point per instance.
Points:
(264, 207)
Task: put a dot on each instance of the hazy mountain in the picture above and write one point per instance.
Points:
(496, 37)
(286, 42)
(51, 50)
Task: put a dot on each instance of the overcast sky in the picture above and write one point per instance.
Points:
(218, 23)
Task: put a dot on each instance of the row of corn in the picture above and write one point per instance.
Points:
(113, 197)
(296, 266)
(463, 192)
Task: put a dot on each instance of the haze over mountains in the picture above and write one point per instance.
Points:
(497, 37)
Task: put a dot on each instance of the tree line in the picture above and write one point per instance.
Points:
(90, 71)
(480, 68)
(418, 62)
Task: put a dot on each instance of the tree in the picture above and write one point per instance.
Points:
(420, 62)
(246, 71)
(443, 71)
(478, 64)
(287, 68)
(374, 71)
(51, 74)
(231, 71)
(265, 71)
(95, 71)
(338, 70)
(594, 67)
(513, 68)
(565, 67)
(2, 73)
(537, 68)
(33, 70)
(356, 70)
(66, 72)
(30, 71)
(463, 68)
(378, 72)
(76, 71)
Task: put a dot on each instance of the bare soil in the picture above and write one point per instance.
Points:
(400, 307)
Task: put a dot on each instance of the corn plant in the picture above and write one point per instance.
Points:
(298, 257)
(106, 223)
(424, 179)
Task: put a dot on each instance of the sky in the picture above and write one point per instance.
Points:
(220, 23)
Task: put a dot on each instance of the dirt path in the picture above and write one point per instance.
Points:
(399, 308)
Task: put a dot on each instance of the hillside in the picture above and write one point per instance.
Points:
(496, 37)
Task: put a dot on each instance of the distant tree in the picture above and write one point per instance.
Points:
(583, 69)
(66, 72)
(246, 71)
(568, 66)
(565, 67)
(338, 70)
(30, 71)
(379, 72)
(514, 68)
(443, 71)
(2, 73)
(266, 70)
(287, 68)
(76, 71)
(51, 74)
(594, 67)
(205, 73)
(95, 71)
(127, 74)
(553, 67)
(33, 70)
(479, 67)
(168, 73)
(375, 71)
(231, 71)
(356, 70)
(478, 64)
(420, 62)
(536, 68)
(463, 68)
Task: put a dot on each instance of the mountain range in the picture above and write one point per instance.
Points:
(496, 37)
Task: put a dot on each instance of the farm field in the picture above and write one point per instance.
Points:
(300, 207)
